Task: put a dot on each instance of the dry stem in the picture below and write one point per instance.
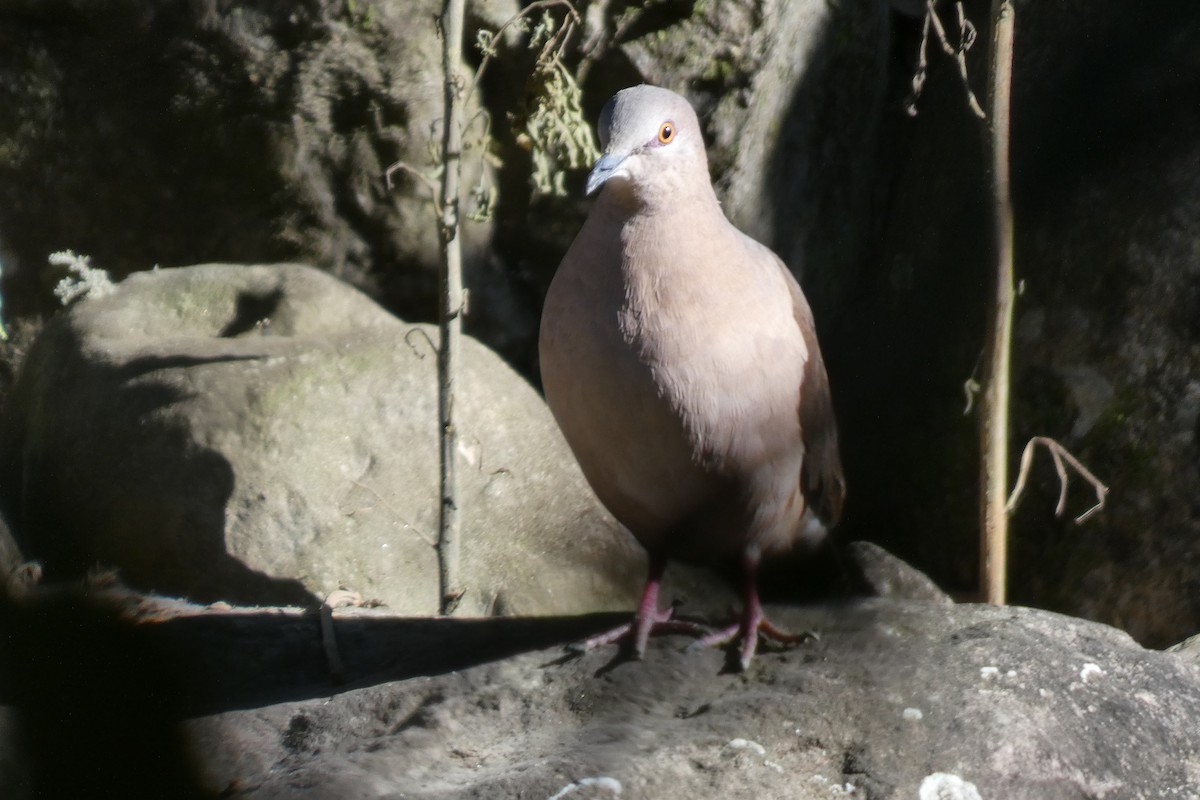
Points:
(966, 38)
(1061, 457)
(993, 546)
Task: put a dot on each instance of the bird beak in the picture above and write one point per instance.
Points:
(606, 167)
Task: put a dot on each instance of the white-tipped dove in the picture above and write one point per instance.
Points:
(679, 358)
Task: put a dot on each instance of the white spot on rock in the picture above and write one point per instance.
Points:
(611, 784)
(746, 744)
(989, 673)
(944, 786)
(1090, 669)
(913, 714)
(835, 789)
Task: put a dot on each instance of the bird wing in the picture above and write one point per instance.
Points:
(821, 478)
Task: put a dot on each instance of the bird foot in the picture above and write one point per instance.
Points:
(749, 630)
(638, 631)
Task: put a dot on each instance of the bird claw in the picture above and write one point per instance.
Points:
(761, 627)
(638, 631)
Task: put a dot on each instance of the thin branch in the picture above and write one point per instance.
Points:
(450, 306)
(490, 50)
(430, 184)
(994, 417)
(420, 332)
(1062, 458)
(966, 39)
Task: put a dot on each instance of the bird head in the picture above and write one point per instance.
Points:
(651, 144)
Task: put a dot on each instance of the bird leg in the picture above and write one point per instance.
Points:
(753, 624)
(648, 620)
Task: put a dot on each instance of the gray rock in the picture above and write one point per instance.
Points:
(1188, 649)
(1108, 221)
(255, 132)
(895, 698)
(1106, 196)
(267, 434)
(888, 576)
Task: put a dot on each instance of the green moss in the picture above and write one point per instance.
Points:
(720, 70)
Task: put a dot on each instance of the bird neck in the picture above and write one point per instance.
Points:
(670, 197)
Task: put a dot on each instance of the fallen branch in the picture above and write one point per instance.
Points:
(1061, 457)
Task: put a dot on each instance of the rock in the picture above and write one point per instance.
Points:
(896, 699)
(887, 576)
(253, 132)
(267, 434)
(1188, 649)
(1106, 196)
(1107, 191)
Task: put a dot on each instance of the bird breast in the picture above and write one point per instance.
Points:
(650, 345)
(712, 317)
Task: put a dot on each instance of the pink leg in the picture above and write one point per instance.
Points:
(648, 620)
(754, 622)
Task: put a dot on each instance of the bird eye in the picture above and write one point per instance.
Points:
(666, 133)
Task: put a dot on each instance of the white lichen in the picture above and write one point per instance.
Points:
(82, 278)
(611, 784)
(913, 714)
(1089, 669)
(945, 786)
(746, 744)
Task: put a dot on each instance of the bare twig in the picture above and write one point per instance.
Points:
(966, 39)
(430, 184)
(450, 312)
(1062, 457)
(420, 332)
(447, 200)
(489, 50)
(993, 429)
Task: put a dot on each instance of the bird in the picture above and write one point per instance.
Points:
(679, 358)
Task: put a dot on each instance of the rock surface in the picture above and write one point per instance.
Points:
(219, 131)
(894, 700)
(1022, 704)
(268, 435)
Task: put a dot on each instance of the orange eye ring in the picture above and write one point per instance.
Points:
(666, 133)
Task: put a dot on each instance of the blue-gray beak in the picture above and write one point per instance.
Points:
(603, 170)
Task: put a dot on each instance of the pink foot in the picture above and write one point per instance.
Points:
(648, 621)
(749, 631)
(753, 624)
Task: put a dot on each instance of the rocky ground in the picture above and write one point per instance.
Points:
(892, 698)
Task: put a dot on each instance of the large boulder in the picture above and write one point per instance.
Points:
(218, 130)
(894, 700)
(267, 434)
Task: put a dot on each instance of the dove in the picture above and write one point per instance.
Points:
(680, 360)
